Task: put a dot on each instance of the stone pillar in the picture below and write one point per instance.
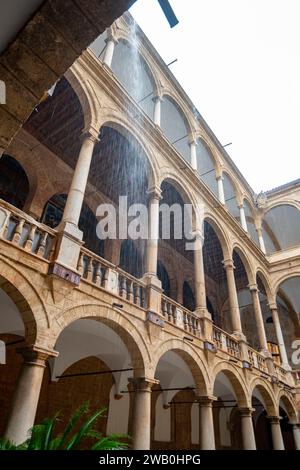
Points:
(279, 336)
(277, 439)
(200, 293)
(259, 319)
(248, 436)
(207, 433)
(193, 147)
(109, 51)
(296, 434)
(142, 412)
(157, 110)
(233, 298)
(26, 395)
(153, 231)
(243, 217)
(78, 185)
(261, 240)
(221, 189)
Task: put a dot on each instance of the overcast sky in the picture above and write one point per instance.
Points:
(239, 61)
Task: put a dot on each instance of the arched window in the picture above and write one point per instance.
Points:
(163, 276)
(188, 297)
(130, 259)
(132, 71)
(174, 125)
(53, 213)
(206, 166)
(14, 184)
(286, 216)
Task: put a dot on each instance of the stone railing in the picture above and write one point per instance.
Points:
(175, 313)
(281, 372)
(226, 342)
(257, 360)
(25, 232)
(104, 274)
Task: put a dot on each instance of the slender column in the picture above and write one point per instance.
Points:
(233, 298)
(296, 434)
(109, 51)
(157, 110)
(76, 193)
(243, 217)
(26, 395)
(207, 433)
(153, 230)
(193, 147)
(221, 189)
(261, 240)
(277, 439)
(142, 412)
(279, 336)
(259, 318)
(248, 435)
(200, 294)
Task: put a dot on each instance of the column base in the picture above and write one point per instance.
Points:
(154, 291)
(68, 246)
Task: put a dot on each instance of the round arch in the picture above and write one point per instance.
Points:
(194, 362)
(236, 380)
(26, 299)
(289, 406)
(247, 264)
(267, 394)
(126, 329)
(86, 95)
(111, 119)
(222, 236)
(263, 277)
(169, 94)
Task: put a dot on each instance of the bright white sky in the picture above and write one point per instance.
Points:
(239, 61)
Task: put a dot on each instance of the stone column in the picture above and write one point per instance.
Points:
(26, 395)
(261, 240)
(193, 147)
(259, 318)
(153, 231)
(157, 110)
(109, 51)
(277, 439)
(279, 336)
(142, 412)
(221, 189)
(207, 433)
(248, 436)
(296, 434)
(233, 298)
(243, 217)
(80, 177)
(200, 293)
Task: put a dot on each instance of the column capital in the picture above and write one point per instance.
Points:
(111, 38)
(206, 400)
(253, 288)
(228, 263)
(272, 305)
(157, 97)
(34, 355)
(193, 141)
(246, 411)
(274, 419)
(91, 134)
(142, 384)
(154, 193)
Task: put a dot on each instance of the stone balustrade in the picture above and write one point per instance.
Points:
(226, 342)
(175, 313)
(25, 232)
(257, 360)
(104, 274)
